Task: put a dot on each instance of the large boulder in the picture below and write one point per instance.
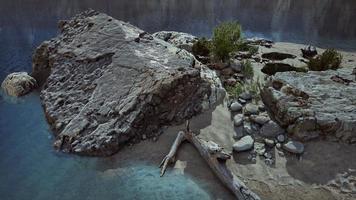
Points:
(18, 84)
(181, 40)
(314, 103)
(106, 82)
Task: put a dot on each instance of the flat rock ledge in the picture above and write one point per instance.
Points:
(314, 104)
(106, 83)
(18, 84)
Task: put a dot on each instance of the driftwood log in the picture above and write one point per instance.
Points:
(215, 156)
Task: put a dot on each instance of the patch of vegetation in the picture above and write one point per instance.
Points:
(226, 39)
(235, 90)
(201, 47)
(247, 69)
(253, 87)
(330, 59)
(253, 50)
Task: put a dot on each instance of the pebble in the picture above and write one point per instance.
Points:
(248, 128)
(267, 155)
(243, 144)
(236, 107)
(294, 147)
(278, 145)
(269, 143)
(271, 130)
(245, 96)
(259, 119)
(242, 101)
(281, 138)
(262, 107)
(238, 119)
(251, 109)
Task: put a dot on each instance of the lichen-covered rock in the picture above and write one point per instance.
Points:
(18, 84)
(181, 40)
(314, 103)
(107, 82)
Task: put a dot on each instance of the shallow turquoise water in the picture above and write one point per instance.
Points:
(31, 169)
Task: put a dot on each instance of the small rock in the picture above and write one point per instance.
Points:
(259, 148)
(144, 137)
(227, 72)
(242, 101)
(247, 128)
(243, 144)
(236, 65)
(271, 129)
(269, 161)
(239, 132)
(245, 96)
(251, 109)
(281, 138)
(259, 119)
(262, 107)
(236, 107)
(230, 82)
(238, 119)
(294, 147)
(278, 145)
(269, 143)
(18, 84)
(267, 155)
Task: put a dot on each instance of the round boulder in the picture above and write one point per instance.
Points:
(18, 84)
(294, 147)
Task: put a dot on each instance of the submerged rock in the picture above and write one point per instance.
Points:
(312, 104)
(107, 82)
(181, 40)
(18, 84)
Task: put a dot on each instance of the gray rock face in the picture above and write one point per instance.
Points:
(244, 144)
(18, 84)
(311, 104)
(294, 147)
(271, 130)
(107, 82)
(178, 39)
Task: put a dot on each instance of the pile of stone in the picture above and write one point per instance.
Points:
(256, 132)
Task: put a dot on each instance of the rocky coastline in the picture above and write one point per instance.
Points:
(105, 84)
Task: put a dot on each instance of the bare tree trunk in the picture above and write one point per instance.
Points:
(216, 158)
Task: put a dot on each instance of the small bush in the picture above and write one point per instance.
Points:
(330, 59)
(253, 88)
(201, 47)
(226, 39)
(235, 90)
(253, 50)
(247, 69)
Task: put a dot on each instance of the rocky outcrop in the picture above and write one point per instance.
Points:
(18, 84)
(107, 82)
(314, 103)
(181, 40)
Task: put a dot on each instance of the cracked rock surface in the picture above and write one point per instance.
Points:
(106, 83)
(313, 104)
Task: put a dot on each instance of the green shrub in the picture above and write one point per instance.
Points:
(253, 87)
(247, 69)
(226, 39)
(235, 90)
(330, 59)
(201, 47)
(253, 50)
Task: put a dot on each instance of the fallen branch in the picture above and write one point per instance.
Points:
(216, 158)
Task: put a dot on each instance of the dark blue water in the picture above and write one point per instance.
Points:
(31, 169)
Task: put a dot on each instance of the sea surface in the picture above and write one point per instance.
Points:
(31, 169)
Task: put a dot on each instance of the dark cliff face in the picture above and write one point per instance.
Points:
(110, 82)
